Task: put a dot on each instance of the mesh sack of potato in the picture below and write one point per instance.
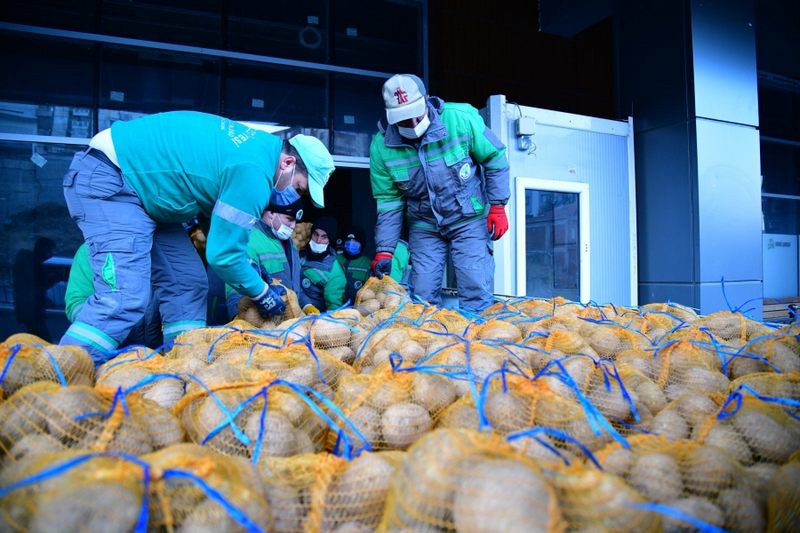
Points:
(445, 321)
(322, 492)
(193, 488)
(609, 338)
(511, 403)
(248, 310)
(302, 234)
(752, 429)
(394, 407)
(594, 500)
(74, 491)
(678, 366)
(197, 348)
(146, 372)
(380, 293)
(779, 387)
(43, 417)
(778, 351)
(243, 411)
(409, 345)
(681, 313)
(699, 480)
(732, 327)
(340, 333)
(462, 480)
(26, 358)
(494, 329)
(555, 344)
(680, 417)
(783, 498)
(298, 363)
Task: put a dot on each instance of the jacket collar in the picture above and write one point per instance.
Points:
(436, 131)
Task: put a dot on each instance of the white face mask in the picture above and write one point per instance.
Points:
(316, 247)
(417, 131)
(283, 232)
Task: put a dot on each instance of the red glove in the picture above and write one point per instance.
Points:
(382, 264)
(497, 221)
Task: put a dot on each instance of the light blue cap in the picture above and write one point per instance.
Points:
(319, 163)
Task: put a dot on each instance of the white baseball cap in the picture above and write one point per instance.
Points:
(404, 97)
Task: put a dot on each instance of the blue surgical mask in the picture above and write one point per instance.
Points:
(352, 248)
(288, 195)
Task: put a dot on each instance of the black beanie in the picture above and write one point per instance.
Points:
(358, 234)
(295, 209)
(328, 224)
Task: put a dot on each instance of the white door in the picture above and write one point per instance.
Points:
(552, 226)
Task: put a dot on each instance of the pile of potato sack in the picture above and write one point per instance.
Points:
(391, 415)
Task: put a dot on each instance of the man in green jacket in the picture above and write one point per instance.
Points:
(142, 177)
(323, 279)
(439, 165)
(272, 249)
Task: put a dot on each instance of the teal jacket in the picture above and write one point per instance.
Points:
(401, 264)
(445, 179)
(79, 285)
(184, 163)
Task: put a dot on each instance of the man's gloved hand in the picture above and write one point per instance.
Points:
(497, 221)
(382, 264)
(310, 309)
(270, 302)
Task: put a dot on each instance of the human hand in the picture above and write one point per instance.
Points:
(310, 309)
(497, 222)
(382, 264)
(270, 302)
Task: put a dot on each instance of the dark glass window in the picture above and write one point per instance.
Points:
(189, 22)
(357, 107)
(292, 29)
(779, 112)
(780, 166)
(76, 15)
(151, 81)
(280, 95)
(377, 35)
(781, 215)
(42, 70)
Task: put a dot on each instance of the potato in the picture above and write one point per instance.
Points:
(705, 380)
(610, 401)
(767, 438)
(649, 393)
(404, 423)
(699, 508)
(524, 506)
(507, 411)
(125, 377)
(365, 294)
(580, 370)
(100, 506)
(279, 434)
(709, 470)
(656, 476)
(432, 392)
(537, 451)
(359, 492)
(670, 424)
(369, 306)
(743, 513)
(695, 408)
(166, 392)
(388, 393)
(459, 415)
(619, 461)
(343, 353)
(352, 389)
(209, 517)
(368, 422)
(726, 438)
(328, 332)
(32, 445)
(412, 352)
(756, 480)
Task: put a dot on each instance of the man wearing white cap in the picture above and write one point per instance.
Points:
(140, 179)
(440, 165)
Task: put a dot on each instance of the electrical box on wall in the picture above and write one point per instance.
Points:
(525, 126)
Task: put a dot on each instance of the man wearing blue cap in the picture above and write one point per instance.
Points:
(141, 178)
(439, 165)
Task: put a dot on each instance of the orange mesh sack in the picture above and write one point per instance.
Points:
(679, 366)
(380, 293)
(193, 488)
(496, 330)
(461, 480)
(408, 344)
(340, 333)
(393, 409)
(44, 417)
(681, 417)
(702, 481)
(248, 310)
(72, 491)
(322, 492)
(682, 313)
(148, 373)
(445, 321)
(25, 359)
(240, 410)
(782, 386)
(751, 430)
(197, 348)
(609, 339)
(594, 500)
(775, 352)
(732, 327)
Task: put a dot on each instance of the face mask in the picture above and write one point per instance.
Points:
(283, 232)
(352, 248)
(417, 131)
(288, 195)
(316, 247)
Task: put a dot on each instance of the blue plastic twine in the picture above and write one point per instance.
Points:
(703, 527)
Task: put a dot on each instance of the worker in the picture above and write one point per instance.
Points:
(323, 279)
(146, 332)
(271, 248)
(140, 179)
(439, 165)
(354, 263)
